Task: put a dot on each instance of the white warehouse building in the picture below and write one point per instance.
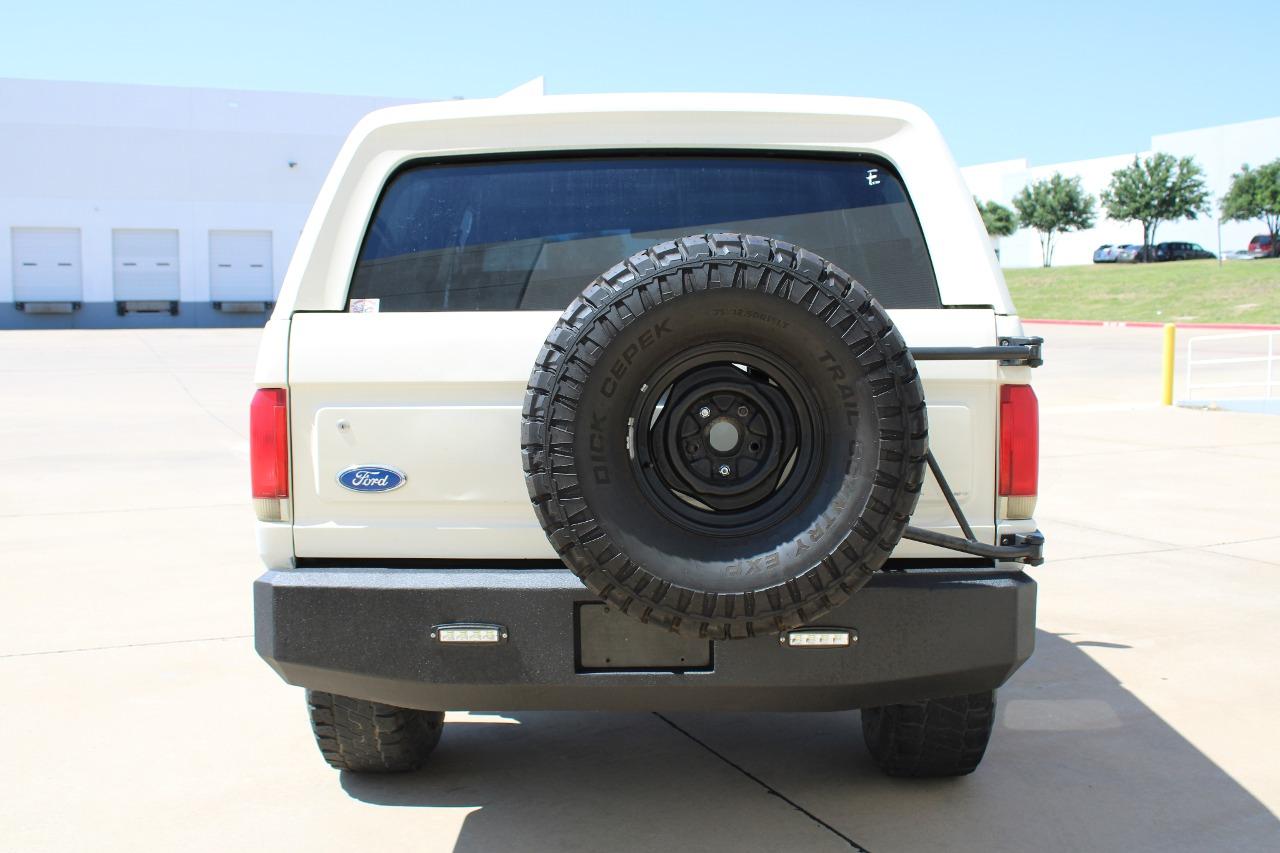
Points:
(1220, 151)
(154, 205)
(125, 205)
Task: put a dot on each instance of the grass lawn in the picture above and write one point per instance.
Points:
(1176, 291)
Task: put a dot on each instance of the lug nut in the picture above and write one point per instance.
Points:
(742, 411)
(725, 471)
(704, 412)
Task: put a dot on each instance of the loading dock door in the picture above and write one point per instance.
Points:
(146, 265)
(46, 265)
(240, 266)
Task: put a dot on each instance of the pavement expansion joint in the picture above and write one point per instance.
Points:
(763, 784)
(128, 646)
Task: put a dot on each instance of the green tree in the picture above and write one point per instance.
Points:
(1255, 194)
(1161, 188)
(999, 220)
(1053, 206)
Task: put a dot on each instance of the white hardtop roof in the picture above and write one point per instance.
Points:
(517, 103)
(524, 122)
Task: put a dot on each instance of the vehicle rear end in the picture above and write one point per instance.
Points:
(406, 564)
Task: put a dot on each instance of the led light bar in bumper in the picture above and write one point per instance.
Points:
(469, 634)
(819, 638)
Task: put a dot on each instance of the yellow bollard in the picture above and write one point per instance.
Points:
(1167, 379)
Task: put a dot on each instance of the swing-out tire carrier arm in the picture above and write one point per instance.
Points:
(1014, 547)
(1010, 352)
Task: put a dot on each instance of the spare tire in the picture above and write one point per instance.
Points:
(724, 435)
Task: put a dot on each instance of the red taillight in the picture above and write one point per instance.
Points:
(269, 443)
(1019, 441)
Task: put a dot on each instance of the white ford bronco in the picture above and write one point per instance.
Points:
(661, 402)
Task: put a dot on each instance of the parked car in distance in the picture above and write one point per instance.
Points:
(1177, 251)
(1129, 253)
(1105, 254)
(1263, 246)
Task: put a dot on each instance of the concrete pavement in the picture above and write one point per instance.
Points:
(138, 717)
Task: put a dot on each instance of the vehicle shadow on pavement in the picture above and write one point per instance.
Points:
(1077, 762)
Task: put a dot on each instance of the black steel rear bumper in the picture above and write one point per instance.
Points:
(367, 633)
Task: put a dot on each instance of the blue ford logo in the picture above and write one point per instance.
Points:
(371, 478)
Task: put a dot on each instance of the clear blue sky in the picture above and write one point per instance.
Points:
(1048, 81)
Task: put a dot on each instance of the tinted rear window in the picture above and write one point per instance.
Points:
(531, 234)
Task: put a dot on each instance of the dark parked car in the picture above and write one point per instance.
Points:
(1105, 254)
(1261, 246)
(1129, 253)
(1182, 252)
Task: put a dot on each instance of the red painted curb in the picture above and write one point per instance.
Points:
(1252, 327)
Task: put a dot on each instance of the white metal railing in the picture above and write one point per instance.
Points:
(1269, 380)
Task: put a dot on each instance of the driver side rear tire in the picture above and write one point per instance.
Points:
(369, 737)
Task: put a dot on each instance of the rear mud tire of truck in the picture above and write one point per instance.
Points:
(724, 435)
(369, 737)
(933, 738)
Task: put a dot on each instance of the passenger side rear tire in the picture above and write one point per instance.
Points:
(369, 737)
(931, 738)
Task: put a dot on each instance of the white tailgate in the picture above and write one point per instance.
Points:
(437, 396)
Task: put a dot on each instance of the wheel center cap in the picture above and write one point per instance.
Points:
(724, 435)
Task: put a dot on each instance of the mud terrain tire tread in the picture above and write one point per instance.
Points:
(369, 737)
(620, 297)
(932, 738)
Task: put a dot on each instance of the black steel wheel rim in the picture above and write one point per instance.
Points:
(726, 439)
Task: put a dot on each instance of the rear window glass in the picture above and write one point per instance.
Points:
(531, 234)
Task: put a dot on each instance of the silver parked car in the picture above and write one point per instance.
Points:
(1129, 253)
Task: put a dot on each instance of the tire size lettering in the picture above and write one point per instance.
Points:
(623, 362)
(751, 315)
(595, 449)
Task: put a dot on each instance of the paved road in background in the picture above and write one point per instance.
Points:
(136, 715)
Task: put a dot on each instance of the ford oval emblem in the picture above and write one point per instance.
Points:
(371, 478)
